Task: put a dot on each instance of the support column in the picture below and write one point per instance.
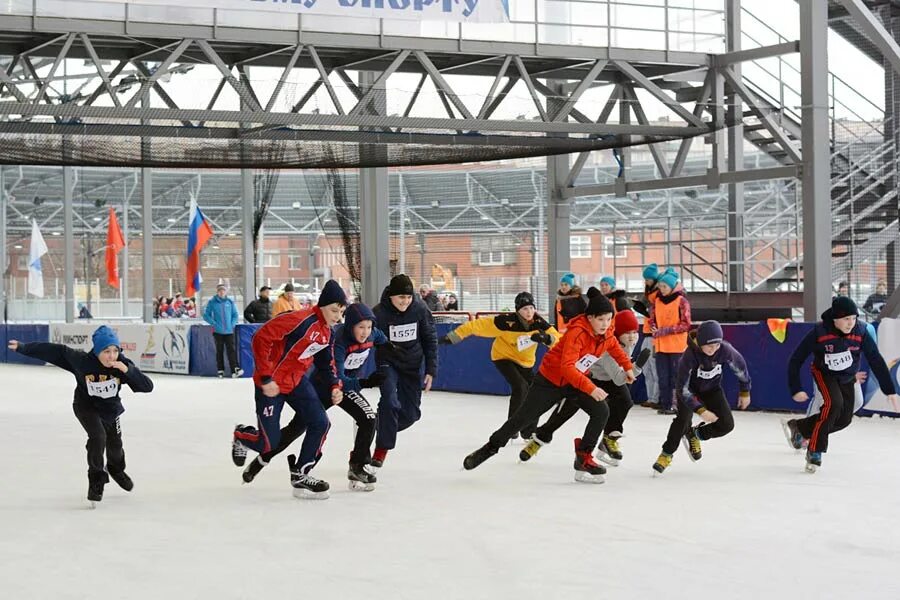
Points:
(558, 214)
(123, 271)
(4, 255)
(374, 223)
(892, 137)
(69, 242)
(735, 135)
(816, 178)
(147, 243)
(247, 207)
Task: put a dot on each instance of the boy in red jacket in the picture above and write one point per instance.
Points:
(564, 375)
(284, 350)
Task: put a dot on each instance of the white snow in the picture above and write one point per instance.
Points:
(744, 522)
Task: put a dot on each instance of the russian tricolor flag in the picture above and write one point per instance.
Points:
(199, 233)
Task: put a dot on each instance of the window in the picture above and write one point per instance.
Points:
(213, 261)
(615, 247)
(23, 262)
(272, 259)
(490, 258)
(580, 246)
(295, 262)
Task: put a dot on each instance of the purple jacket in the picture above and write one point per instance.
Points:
(699, 373)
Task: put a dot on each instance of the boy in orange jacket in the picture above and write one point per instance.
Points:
(564, 375)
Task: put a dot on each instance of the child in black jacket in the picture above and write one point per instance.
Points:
(99, 375)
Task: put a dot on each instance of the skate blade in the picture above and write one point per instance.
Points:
(607, 459)
(359, 486)
(809, 468)
(687, 447)
(92, 504)
(787, 435)
(654, 473)
(303, 494)
(588, 478)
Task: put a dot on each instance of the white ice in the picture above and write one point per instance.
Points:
(744, 522)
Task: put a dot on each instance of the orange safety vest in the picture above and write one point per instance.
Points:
(651, 300)
(669, 315)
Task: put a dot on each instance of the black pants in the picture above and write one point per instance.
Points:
(713, 400)
(619, 402)
(836, 413)
(519, 379)
(542, 396)
(225, 341)
(355, 405)
(103, 436)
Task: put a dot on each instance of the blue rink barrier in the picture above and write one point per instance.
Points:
(23, 333)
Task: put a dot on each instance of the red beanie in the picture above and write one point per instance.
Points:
(626, 322)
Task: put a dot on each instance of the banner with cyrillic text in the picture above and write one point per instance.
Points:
(889, 346)
(157, 348)
(466, 11)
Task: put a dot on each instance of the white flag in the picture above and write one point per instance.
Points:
(38, 249)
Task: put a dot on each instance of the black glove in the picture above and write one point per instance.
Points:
(444, 341)
(643, 357)
(541, 338)
(372, 381)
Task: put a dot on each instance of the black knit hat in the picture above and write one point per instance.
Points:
(524, 299)
(332, 293)
(842, 306)
(599, 305)
(400, 285)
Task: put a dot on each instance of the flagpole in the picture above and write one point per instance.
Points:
(123, 272)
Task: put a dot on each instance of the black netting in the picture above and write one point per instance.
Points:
(288, 149)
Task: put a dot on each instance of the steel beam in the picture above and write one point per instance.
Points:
(69, 242)
(558, 211)
(4, 255)
(248, 204)
(816, 182)
(785, 172)
(735, 147)
(737, 55)
(874, 31)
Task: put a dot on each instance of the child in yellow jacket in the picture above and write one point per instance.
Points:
(516, 338)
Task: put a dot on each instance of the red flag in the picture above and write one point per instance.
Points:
(115, 242)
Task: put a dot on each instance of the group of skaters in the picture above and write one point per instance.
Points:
(313, 358)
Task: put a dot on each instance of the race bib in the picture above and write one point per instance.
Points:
(403, 333)
(525, 342)
(312, 349)
(711, 374)
(356, 360)
(103, 389)
(586, 362)
(839, 361)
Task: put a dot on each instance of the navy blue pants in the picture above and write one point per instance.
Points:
(667, 371)
(400, 404)
(305, 401)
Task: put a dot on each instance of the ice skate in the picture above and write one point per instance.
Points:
(238, 449)
(95, 489)
(813, 461)
(360, 480)
(252, 470)
(662, 463)
(792, 433)
(220, 374)
(531, 448)
(586, 468)
(609, 451)
(306, 486)
(123, 480)
(237, 373)
(479, 456)
(691, 443)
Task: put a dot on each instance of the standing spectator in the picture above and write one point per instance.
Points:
(843, 289)
(177, 303)
(616, 296)
(875, 302)
(430, 298)
(260, 310)
(670, 322)
(569, 301)
(452, 302)
(190, 309)
(287, 302)
(84, 312)
(222, 314)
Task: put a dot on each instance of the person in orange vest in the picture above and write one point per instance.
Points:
(616, 296)
(287, 302)
(670, 322)
(651, 276)
(569, 301)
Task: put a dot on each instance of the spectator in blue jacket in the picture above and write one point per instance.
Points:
(409, 326)
(222, 314)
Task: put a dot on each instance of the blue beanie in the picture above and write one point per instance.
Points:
(356, 313)
(332, 293)
(609, 280)
(651, 271)
(568, 278)
(709, 332)
(670, 278)
(103, 338)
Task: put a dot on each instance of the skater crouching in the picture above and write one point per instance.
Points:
(563, 376)
(698, 389)
(99, 376)
(835, 343)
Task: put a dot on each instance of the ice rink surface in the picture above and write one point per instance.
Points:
(744, 522)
